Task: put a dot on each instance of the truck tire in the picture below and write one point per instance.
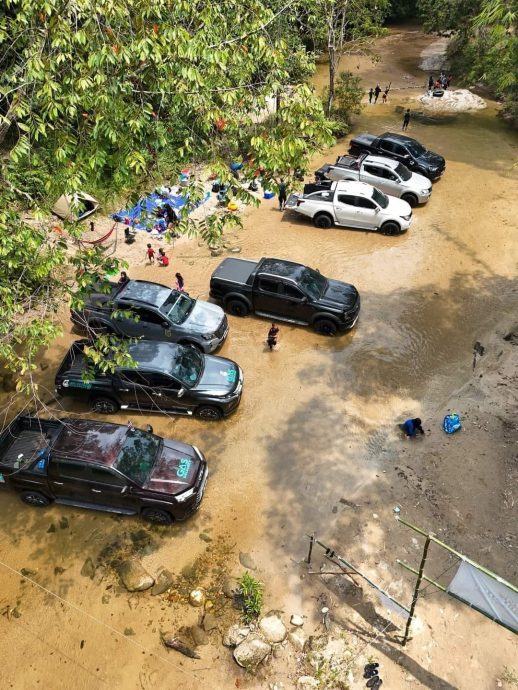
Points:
(210, 412)
(411, 199)
(325, 327)
(237, 307)
(390, 228)
(323, 220)
(34, 498)
(157, 516)
(190, 343)
(104, 405)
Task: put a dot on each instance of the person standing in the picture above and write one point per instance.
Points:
(272, 337)
(371, 94)
(406, 119)
(385, 95)
(179, 283)
(377, 92)
(150, 253)
(282, 194)
(430, 83)
(124, 278)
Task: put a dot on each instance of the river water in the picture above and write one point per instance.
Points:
(317, 415)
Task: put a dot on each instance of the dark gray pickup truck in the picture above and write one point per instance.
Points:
(285, 291)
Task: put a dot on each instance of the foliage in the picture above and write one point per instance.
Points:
(401, 10)
(443, 15)
(107, 95)
(251, 592)
(347, 101)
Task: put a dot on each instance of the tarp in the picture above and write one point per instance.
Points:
(493, 597)
(143, 216)
(76, 206)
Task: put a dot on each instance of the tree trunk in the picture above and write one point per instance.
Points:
(8, 119)
(332, 74)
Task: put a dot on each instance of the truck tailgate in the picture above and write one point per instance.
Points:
(292, 201)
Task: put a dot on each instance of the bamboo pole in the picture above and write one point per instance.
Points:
(416, 590)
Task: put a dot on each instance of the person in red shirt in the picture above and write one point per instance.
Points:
(162, 259)
(150, 253)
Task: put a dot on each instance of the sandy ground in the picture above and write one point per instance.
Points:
(314, 446)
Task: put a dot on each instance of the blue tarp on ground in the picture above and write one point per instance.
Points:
(143, 216)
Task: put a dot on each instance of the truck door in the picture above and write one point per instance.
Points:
(376, 175)
(68, 479)
(150, 325)
(268, 296)
(345, 210)
(368, 215)
(296, 304)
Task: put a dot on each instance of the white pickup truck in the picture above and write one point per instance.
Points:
(391, 176)
(353, 205)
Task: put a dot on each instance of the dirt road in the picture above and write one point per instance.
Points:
(314, 446)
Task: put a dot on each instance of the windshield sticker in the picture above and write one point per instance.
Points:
(2, 479)
(76, 384)
(183, 468)
(231, 375)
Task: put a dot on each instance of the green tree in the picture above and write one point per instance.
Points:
(347, 101)
(107, 95)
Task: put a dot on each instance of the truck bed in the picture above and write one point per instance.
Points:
(25, 436)
(74, 360)
(235, 270)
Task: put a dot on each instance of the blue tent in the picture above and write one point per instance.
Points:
(143, 216)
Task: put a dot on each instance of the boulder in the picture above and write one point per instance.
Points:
(134, 576)
(251, 652)
(199, 635)
(235, 635)
(297, 621)
(210, 622)
(297, 640)
(228, 586)
(307, 683)
(272, 628)
(88, 569)
(247, 561)
(162, 583)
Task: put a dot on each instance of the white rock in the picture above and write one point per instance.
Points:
(454, 101)
(251, 652)
(297, 639)
(197, 597)
(272, 628)
(307, 683)
(235, 635)
(134, 577)
(296, 620)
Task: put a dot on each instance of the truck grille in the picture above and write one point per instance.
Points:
(220, 332)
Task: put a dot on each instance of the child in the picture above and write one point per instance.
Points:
(150, 253)
(179, 282)
(385, 94)
(162, 259)
(273, 334)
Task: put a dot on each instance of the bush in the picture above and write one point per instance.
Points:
(347, 100)
(251, 595)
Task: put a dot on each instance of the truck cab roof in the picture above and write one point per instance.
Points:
(145, 292)
(96, 442)
(353, 187)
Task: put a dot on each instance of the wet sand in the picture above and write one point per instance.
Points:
(317, 424)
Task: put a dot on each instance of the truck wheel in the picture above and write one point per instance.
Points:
(325, 327)
(104, 406)
(209, 412)
(411, 199)
(34, 498)
(237, 307)
(189, 343)
(390, 228)
(322, 220)
(159, 517)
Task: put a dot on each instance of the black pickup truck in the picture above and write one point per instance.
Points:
(285, 291)
(404, 149)
(109, 467)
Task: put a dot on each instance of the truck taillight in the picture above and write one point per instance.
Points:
(299, 202)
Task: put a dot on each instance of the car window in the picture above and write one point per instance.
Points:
(400, 150)
(374, 170)
(292, 291)
(387, 146)
(163, 381)
(103, 475)
(136, 377)
(347, 199)
(149, 316)
(72, 470)
(362, 202)
(266, 285)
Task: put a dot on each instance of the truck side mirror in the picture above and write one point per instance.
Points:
(166, 325)
(180, 393)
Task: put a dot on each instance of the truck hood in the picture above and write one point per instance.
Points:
(175, 470)
(339, 295)
(205, 318)
(220, 376)
(431, 160)
(398, 207)
(418, 182)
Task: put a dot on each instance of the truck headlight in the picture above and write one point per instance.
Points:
(425, 191)
(407, 217)
(211, 336)
(181, 498)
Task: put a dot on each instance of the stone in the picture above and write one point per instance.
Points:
(228, 586)
(205, 537)
(297, 621)
(297, 640)
(210, 622)
(272, 628)
(129, 631)
(27, 572)
(247, 561)
(235, 635)
(52, 528)
(199, 636)
(134, 576)
(307, 683)
(216, 252)
(276, 686)
(63, 523)
(235, 250)
(162, 583)
(197, 597)
(88, 569)
(251, 652)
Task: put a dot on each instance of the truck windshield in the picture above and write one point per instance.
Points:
(187, 366)
(380, 198)
(138, 455)
(403, 172)
(177, 307)
(313, 283)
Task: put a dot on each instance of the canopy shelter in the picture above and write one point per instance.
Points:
(149, 213)
(76, 206)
